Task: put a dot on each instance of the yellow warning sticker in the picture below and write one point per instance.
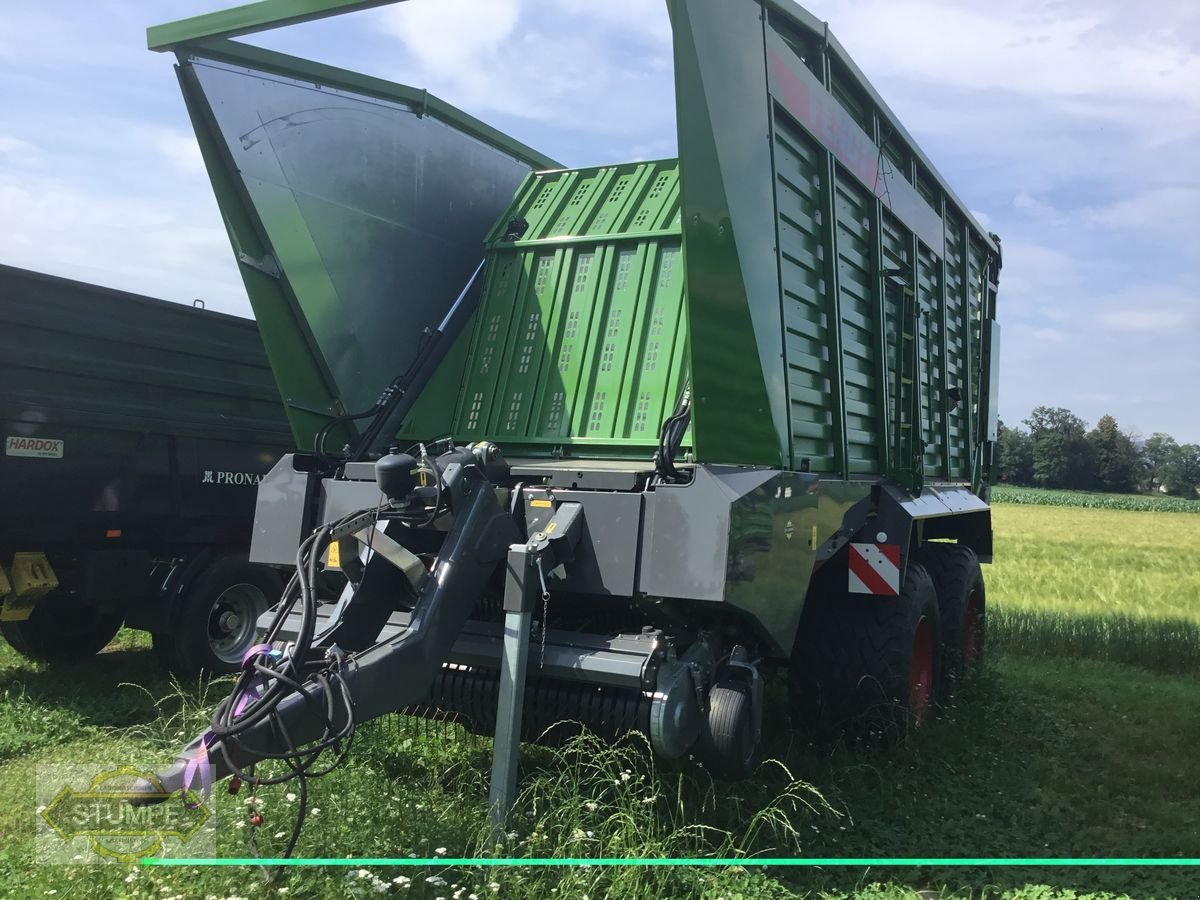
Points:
(550, 528)
(334, 559)
(541, 504)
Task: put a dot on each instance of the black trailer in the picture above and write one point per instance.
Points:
(135, 434)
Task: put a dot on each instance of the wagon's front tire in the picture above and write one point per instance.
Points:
(62, 628)
(217, 623)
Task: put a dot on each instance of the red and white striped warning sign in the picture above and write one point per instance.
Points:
(875, 569)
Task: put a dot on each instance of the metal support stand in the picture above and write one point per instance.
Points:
(520, 591)
(523, 587)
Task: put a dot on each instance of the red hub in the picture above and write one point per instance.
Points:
(920, 690)
(973, 630)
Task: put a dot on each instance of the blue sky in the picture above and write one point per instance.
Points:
(1072, 129)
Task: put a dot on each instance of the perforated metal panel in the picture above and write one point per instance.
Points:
(580, 337)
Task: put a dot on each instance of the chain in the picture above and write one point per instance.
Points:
(545, 610)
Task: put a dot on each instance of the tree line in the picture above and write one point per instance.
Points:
(1056, 450)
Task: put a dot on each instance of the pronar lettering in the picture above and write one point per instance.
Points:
(217, 476)
(45, 448)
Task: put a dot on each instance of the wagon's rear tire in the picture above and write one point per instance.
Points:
(216, 624)
(865, 668)
(62, 628)
(962, 604)
(730, 745)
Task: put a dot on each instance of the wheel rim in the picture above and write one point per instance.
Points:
(973, 630)
(920, 688)
(232, 623)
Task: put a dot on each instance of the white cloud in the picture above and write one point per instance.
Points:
(587, 67)
(179, 148)
(1151, 321)
(15, 145)
(1067, 50)
(1171, 210)
(152, 244)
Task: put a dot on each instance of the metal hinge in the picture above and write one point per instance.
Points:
(266, 264)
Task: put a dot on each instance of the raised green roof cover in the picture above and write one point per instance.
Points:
(579, 343)
(357, 209)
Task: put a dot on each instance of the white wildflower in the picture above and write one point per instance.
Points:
(402, 880)
(592, 805)
(291, 798)
(440, 851)
(436, 880)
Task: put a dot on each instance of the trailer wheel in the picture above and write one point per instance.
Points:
(962, 603)
(217, 622)
(62, 628)
(729, 746)
(866, 668)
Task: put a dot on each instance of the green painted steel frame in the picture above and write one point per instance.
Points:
(250, 18)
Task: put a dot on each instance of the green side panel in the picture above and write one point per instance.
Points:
(874, 275)
(957, 330)
(929, 295)
(740, 410)
(798, 198)
(578, 345)
(856, 299)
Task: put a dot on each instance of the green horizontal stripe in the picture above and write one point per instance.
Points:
(544, 862)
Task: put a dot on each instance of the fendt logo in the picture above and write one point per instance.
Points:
(221, 477)
(27, 446)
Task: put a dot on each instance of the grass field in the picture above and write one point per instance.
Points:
(1079, 739)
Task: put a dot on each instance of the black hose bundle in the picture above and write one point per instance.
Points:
(670, 437)
(269, 677)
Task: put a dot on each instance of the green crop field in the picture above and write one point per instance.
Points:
(1079, 739)
(1089, 500)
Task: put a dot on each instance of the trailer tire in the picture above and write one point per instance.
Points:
(62, 629)
(865, 668)
(215, 623)
(962, 604)
(729, 746)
